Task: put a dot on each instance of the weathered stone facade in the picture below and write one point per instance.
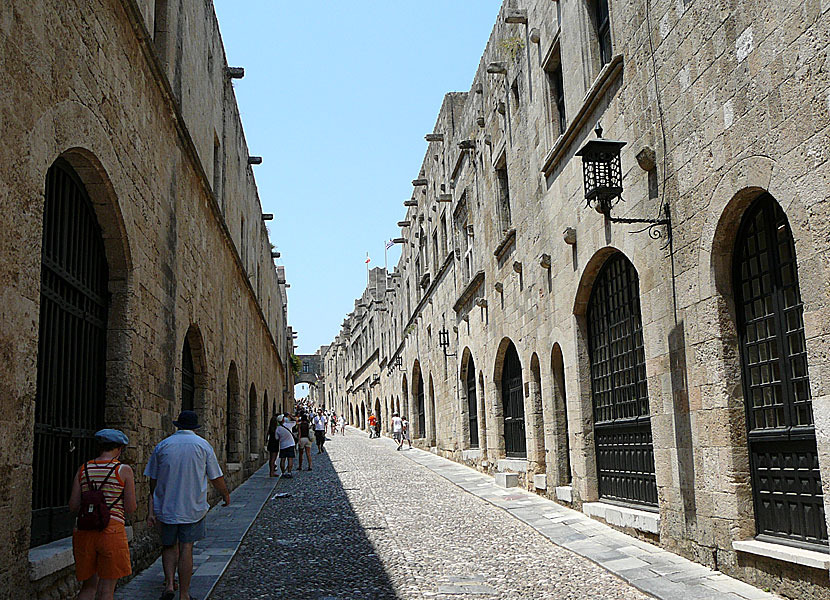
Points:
(134, 98)
(720, 103)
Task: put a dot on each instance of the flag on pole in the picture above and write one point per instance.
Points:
(368, 260)
(389, 244)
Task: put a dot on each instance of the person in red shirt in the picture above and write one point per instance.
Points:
(373, 426)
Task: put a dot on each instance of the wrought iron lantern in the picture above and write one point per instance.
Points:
(444, 341)
(398, 362)
(602, 171)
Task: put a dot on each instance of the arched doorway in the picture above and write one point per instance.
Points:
(786, 482)
(72, 349)
(622, 423)
(420, 404)
(515, 444)
(472, 403)
(378, 415)
(253, 424)
(560, 417)
(233, 434)
(433, 430)
(188, 377)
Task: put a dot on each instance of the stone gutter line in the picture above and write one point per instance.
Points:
(245, 533)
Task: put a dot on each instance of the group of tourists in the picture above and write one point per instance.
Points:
(289, 434)
(103, 493)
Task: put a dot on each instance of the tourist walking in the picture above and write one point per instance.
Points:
(103, 491)
(179, 469)
(287, 444)
(405, 429)
(304, 446)
(373, 420)
(342, 423)
(273, 443)
(333, 421)
(397, 429)
(319, 423)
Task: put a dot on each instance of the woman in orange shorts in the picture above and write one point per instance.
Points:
(103, 556)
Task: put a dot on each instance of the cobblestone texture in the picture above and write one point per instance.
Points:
(368, 523)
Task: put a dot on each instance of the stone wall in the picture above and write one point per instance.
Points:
(717, 103)
(147, 118)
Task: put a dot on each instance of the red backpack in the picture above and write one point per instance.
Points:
(95, 512)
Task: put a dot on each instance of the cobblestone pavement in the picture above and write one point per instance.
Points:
(368, 522)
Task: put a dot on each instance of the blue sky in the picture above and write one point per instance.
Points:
(337, 97)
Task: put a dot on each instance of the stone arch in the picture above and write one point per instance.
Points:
(378, 415)
(561, 445)
(741, 186)
(533, 414)
(95, 252)
(233, 429)
(507, 354)
(253, 421)
(194, 342)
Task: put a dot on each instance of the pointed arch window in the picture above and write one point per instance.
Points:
(188, 378)
(786, 482)
(72, 344)
(622, 425)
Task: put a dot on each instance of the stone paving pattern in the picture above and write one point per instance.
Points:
(226, 527)
(370, 522)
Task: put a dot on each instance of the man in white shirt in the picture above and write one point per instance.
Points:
(179, 470)
(397, 429)
(319, 424)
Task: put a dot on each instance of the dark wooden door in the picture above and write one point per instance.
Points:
(472, 405)
(513, 404)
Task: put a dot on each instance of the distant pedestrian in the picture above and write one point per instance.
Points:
(287, 445)
(397, 429)
(373, 420)
(273, 446)
(405, 428)
(304, 446)
(103, 490)
(333, 422)
(319, 423)
(342, 422)
(179, 470)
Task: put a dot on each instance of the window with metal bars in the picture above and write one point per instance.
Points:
(188, 378)
(782, 444)
(622, 427)
(71, 367)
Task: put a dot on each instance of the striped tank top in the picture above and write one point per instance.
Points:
(113, 487)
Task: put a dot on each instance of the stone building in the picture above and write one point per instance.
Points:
(668, 378)
(137, 274)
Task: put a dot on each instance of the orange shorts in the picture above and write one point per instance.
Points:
(105, 553)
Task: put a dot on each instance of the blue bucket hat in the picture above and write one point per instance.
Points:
(112, 435)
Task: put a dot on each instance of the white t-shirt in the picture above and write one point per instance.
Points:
(319, 423)
(285, 437)
(397, 425)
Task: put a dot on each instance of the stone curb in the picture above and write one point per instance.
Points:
(647, 567)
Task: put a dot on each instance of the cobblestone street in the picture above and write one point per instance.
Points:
(368, 522)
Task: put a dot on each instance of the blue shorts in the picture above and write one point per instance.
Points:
(182, 532)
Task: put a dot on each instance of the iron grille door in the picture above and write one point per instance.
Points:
(69, 400)
(513, 402)
(622, 427)
(472, 405)
(188, 377)
(786, 482)
(422, 416)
